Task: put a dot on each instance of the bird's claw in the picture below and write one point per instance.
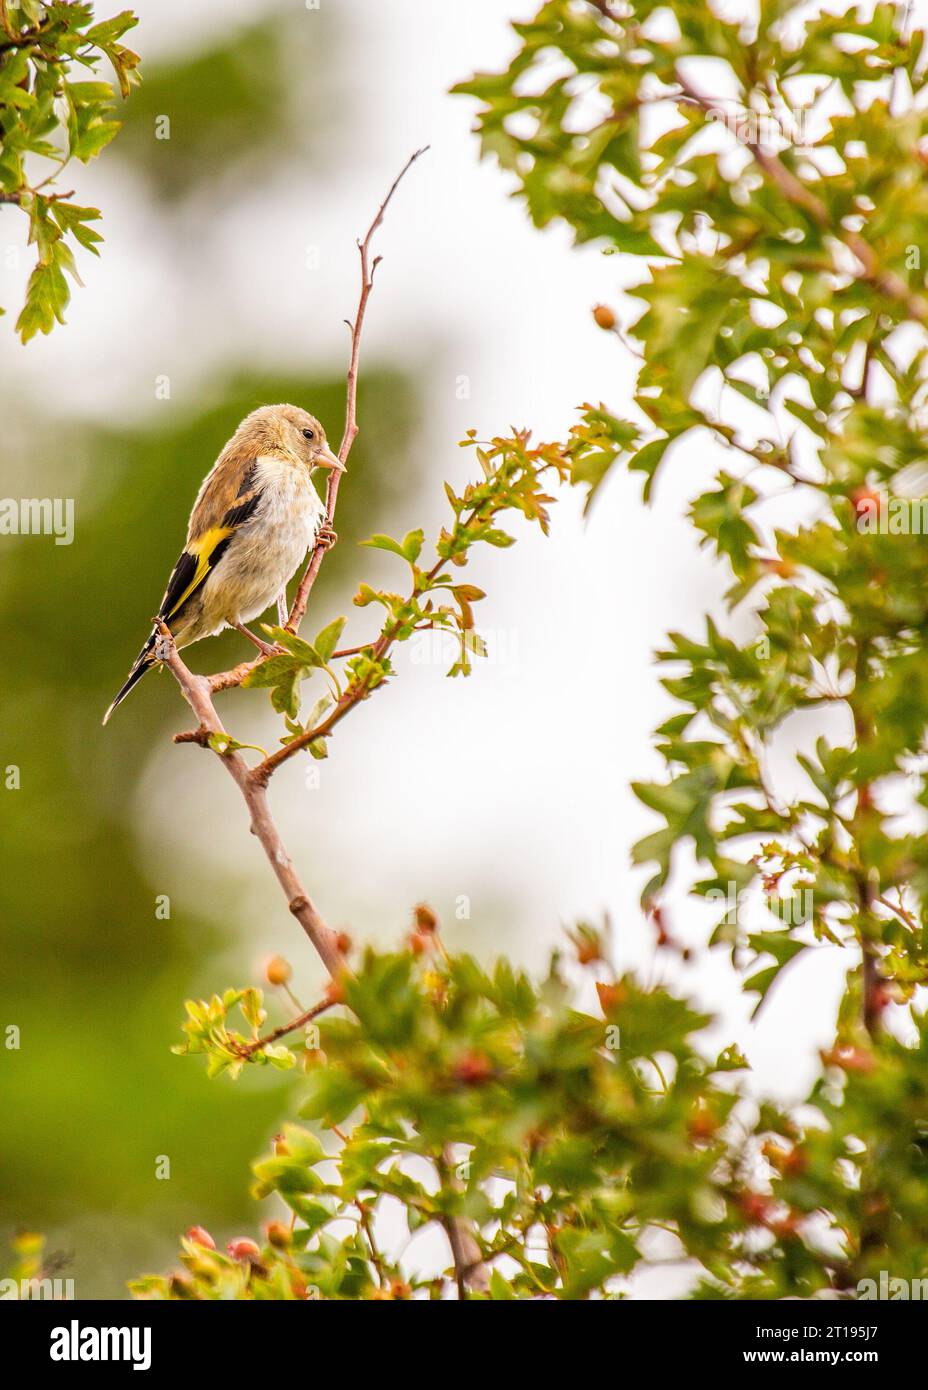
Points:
(327, 537)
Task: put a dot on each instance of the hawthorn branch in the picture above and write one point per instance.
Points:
(196, 691)
(801, 196)
(470, 1272)
(199, 690)
(350, 697)
(359, 689)
(252, 782)
(249, 1048)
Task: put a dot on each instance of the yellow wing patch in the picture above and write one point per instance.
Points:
(202, 548)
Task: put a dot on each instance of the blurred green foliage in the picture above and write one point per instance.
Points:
(263, 84)
(578, 1147)
(56, 106)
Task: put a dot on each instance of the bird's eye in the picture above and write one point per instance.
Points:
(308, 434)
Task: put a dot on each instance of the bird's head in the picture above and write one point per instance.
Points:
(293, 432)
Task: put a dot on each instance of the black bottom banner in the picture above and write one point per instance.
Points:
(160, 1339)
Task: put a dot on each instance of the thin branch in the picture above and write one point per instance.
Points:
(307, 1016)
(366, 1225)
(368, 268)
(350, 697)
(470, 1272)
(901, 912)
(252, 782)
(196, 691)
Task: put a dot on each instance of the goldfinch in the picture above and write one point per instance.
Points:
(256, 515)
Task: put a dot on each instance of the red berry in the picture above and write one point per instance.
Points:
(244, 1250)
(473, 1068)
(755, 1206)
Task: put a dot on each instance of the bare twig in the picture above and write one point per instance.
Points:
(196, 691)
(368, 268)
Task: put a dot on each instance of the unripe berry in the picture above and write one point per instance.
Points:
(201, 1237)
(604, 316)
(278, 1234)
(425, 918)
(703, 1123)
(277, 971)
(588, 952)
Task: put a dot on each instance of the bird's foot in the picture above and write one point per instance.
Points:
(265, 648)
(327, 536)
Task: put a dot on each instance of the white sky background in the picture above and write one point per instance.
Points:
(510, 787)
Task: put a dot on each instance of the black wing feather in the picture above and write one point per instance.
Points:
(180, 580)
(236, 515)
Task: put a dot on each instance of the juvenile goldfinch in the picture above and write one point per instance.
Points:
(256, 515)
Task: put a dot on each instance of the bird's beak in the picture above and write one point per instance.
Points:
(329, 460)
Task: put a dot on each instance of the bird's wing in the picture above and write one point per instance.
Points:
(218, 513)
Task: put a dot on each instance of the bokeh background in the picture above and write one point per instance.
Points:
(228, 269)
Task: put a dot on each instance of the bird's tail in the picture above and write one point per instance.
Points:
(141, 664)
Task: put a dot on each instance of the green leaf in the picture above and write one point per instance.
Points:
(382, 542)
(47, 296)
(327, 640)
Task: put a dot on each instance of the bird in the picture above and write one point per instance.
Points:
(256, 515)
